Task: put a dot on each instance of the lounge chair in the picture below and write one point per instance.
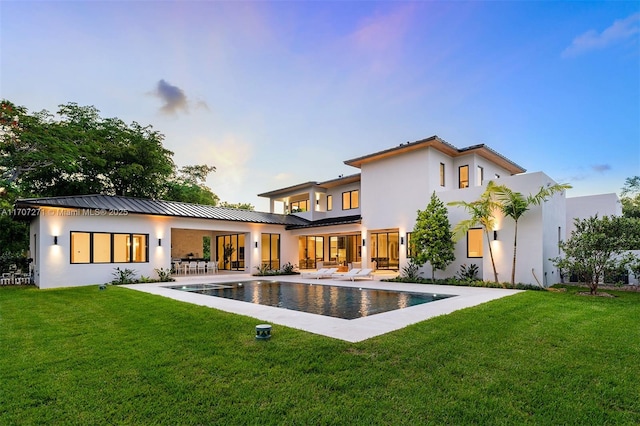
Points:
(314, 274)
(346, 275)
(366, 274)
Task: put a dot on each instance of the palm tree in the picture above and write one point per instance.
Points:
(513, 204)
(481, 212)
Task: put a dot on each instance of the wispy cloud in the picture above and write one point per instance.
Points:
(620, 30)
(174, 99)
(601, 168)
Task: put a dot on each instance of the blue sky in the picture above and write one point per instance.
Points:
(279, 93)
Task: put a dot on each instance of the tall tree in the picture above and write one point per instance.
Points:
(597, 245)
(631, 197)
(482, 213)
(432, 237)
(188, 186)
(514, 205)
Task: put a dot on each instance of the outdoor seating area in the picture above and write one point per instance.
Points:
(193, 267)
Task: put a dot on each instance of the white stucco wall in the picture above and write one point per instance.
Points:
(52, 262)
(591, 205)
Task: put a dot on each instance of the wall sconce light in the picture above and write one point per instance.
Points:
(159, 242)
(256, 244)
(55, 240)
(401, 241)
(495, 235)
(363, 241)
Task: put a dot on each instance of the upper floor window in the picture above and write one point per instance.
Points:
(350, 200)
(441, 174)
(480, 176)
(329, 202)
(463, 177)
(300, 206)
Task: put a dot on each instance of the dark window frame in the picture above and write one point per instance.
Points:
(111, 241)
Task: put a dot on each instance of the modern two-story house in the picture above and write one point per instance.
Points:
(363, 219)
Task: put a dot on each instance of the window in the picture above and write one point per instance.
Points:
(441, 174)
(345, 249)
(230, 252)
(80, 247)
(271, 250)
(310, 251)
(329, 202)
(410, 249)
(463, 177)
(300, 206)
(104, 247)
(385, 250)
(480, 175)
(101, 248)
(350, 200)
(474, 243)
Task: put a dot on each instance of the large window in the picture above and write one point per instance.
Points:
(103, 247)
(300, 206)
(345, 249)
(350, 200)
(480, 175)
(385, 250)
(329, 202)
(271, 250)
(463, 177)
(310, 251)
(441, 174)
(230, 252)
(474, 243)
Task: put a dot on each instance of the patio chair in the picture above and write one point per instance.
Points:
(202, 266)
(328, 273)
(212, 268)
(364, 274)
(314, 274)
(346, 275)
(193, 267)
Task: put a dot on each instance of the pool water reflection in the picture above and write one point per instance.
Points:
(328, 300)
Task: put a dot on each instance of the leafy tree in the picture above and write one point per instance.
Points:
(188, 186)
(432, 237)
(514, 205)
(597, 245)
(631, 197)
(482, 213)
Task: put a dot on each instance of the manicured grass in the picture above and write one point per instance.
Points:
(84, 356)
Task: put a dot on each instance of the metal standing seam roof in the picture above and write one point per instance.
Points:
(160, 208)
(342, 220)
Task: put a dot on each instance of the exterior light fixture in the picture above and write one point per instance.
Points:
(256, 243)
(159, 242)
(495, 235)
(401, 241)
(363, 241)
(55, 240)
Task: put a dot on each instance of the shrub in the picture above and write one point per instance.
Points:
(123, 276)
(411, 271)
(164, 275)
(468, 273)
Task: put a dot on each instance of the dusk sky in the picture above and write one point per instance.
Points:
(279, 93)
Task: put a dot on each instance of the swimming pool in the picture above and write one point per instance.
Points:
(334, 301)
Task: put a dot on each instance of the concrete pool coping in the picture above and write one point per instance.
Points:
(354, 330)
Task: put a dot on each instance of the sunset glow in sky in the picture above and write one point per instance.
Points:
(278, 93)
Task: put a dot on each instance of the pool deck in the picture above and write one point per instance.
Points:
(354, 330)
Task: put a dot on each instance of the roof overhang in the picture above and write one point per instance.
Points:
(441, 145)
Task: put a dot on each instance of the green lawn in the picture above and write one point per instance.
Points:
(84, 356)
